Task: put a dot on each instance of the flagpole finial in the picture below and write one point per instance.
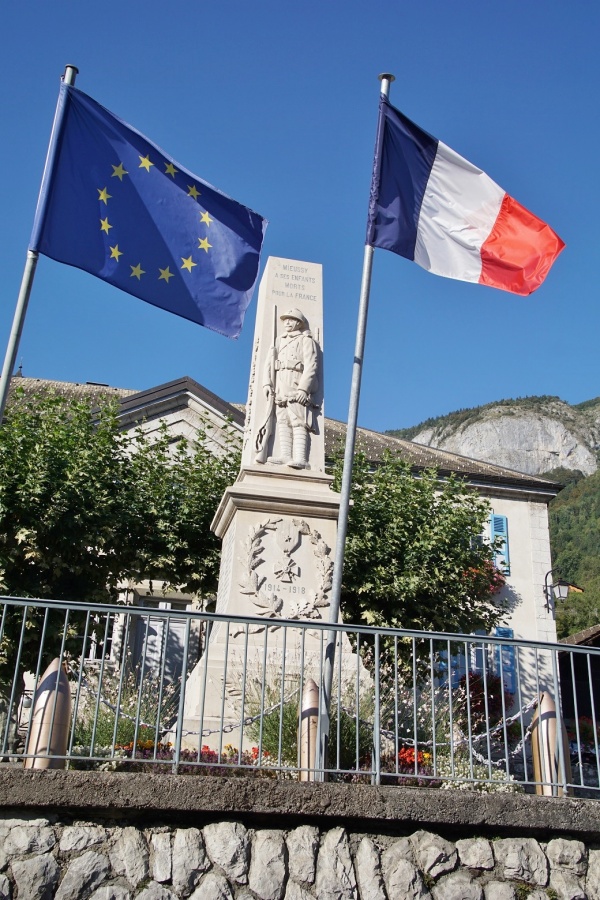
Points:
(387, 76)
(71, 73)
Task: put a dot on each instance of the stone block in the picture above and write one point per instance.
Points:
(522, 859)
(268, 867)
(37, 877)
(475, 853)
(303, 844)
(335, 878)
(228, 846)
(369, 876)
(434, 855)
(189, 859)
(161, 856)
(129, 856)
(84, 875)
(213, 887)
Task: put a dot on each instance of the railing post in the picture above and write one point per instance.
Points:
(184, 664)
(376, 718)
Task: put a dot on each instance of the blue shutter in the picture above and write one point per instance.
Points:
(508, 672)
(499, 528)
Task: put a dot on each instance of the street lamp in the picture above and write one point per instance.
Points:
(557, 590)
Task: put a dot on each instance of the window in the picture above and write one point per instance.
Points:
(499, 529)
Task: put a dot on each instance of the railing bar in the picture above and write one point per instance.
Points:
(301, 697)
(503, 706)
(338, 734)
(14, 684)
(282, 697)
(468, 702)
(141, 687)
(489, 725)
(415, 717)
(122, 674)
(396, 720)
(432, 689)
(100, 680)
(487, 712)
(181, 709)
(55, 702)
(505, 729)
(4, 613)
(450, 708)
(559, 728)
(262, 696)
(243, 704)
(36, 679)
(320, 774)
(204, 681)
(163, 664)
(316, 625)
(223, 694)
(594, 722)
(357, 695)
(576, 711)
(520, 703)
(545, 761)
(376, 722)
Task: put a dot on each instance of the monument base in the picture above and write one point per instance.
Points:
(279, 528)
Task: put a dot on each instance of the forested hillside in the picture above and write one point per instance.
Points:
(575, 538)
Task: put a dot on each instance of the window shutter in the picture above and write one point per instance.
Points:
(499, 528)
(507, 668)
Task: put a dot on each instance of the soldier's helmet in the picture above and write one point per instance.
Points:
(295, 314)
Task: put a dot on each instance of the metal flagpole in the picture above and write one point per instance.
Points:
(32, 258)
(338, 565)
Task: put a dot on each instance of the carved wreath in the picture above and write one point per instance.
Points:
(269, 605)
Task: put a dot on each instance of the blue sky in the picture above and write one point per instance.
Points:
(275, 104)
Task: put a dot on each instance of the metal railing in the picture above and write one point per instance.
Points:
(144, 688)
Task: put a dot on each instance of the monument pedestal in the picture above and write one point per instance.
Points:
(278, 527)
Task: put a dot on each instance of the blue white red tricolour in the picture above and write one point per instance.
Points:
(431, 205)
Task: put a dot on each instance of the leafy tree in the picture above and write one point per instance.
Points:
(575, 539)
(414, 554)
(85, 506)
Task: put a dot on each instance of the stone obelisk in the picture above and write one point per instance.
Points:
(278, 521)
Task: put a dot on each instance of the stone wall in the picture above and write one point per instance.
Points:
(118, 837)
(71, 859)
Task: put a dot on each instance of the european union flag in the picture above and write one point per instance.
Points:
(117, 206)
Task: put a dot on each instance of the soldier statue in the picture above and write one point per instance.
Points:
(290, 383)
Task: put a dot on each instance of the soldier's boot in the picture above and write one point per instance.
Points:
(284, 438)
(300, 452)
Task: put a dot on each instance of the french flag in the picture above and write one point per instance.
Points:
(431, 205)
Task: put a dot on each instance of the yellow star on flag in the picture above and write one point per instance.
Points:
(103, 195)
(105, 225)
(137, 271)
(203, 244)
(165, 274)
(170, 169)
(115, 253)
(145, 163)
(187, 263)
(205, 218)
(193, 191)
(118, 172)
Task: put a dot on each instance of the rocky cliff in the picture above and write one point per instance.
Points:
(531, 434)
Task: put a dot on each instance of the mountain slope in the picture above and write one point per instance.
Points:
(530, 434)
